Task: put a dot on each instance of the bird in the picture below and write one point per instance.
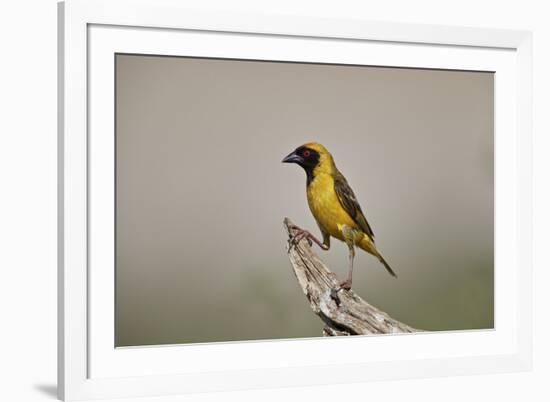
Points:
(334, 206)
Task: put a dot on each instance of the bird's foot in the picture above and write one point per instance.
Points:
(346, 285)
(301, 234)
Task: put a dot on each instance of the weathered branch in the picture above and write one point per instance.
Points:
(343, 312)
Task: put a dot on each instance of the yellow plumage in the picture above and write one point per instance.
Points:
(325, 205)
(329, 214)
(333, 205)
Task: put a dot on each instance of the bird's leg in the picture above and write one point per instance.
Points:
(349, 236)
(346, 284)
(305, 234)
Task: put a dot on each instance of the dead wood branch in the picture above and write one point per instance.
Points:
(343, 312)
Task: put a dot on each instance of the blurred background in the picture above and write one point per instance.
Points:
(201, 194)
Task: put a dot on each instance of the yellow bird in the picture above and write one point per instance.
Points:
(333, 205)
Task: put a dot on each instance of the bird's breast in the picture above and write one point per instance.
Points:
(325, 206)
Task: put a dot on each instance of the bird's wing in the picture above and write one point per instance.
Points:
(350, 204)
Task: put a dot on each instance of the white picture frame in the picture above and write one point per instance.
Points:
(90, 32)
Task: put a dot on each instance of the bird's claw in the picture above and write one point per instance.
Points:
(300, 234)
(303, 234)
(293, 242)
(346, 285)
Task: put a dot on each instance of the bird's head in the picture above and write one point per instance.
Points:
(312, 157)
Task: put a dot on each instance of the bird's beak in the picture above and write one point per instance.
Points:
(292, 158)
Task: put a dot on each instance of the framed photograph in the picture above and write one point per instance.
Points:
(394, 241)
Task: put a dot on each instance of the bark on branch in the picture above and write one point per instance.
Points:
(343, 312)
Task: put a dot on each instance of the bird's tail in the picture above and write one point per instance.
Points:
(386, 265)
(367, 244)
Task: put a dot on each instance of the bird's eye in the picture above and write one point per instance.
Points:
(306, 153)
